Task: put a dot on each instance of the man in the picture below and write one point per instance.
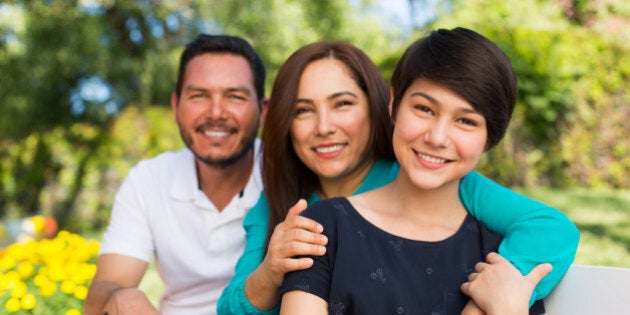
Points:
(185, 208)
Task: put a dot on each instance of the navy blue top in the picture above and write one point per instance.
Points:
(368, 271)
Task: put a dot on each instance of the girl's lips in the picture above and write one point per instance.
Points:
(430, 161)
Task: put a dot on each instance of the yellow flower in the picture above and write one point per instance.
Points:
(73, 311)
(47, 289)
(7, 262)
(25, 269)
(19, 290)
(80, 292)
(12, 305)
(68, 287)
(28, 302)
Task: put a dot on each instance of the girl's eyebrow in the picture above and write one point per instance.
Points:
(433, 100)
(427, 96)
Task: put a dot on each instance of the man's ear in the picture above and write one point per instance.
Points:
(264, 104)
(174, 104)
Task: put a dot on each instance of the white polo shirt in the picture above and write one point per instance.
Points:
(160, 210)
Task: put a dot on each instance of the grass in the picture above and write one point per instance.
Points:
(602, 216)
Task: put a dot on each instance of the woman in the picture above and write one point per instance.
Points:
(347, 154)
(408, 246)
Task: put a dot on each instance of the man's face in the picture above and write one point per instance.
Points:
(218, 112)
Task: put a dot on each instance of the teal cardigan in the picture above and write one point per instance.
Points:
(533, 233)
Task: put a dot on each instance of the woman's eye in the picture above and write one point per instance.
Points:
(343, 103)
(302, 110)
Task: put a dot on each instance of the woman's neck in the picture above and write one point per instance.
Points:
(345, 185)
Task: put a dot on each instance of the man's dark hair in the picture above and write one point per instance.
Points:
(223, 44)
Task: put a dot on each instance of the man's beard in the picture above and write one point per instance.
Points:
(246, 144)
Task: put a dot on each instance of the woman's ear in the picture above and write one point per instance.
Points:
(391, 102)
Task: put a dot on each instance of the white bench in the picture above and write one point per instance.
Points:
(591, 290)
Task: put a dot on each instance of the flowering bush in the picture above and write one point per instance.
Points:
(48, 276)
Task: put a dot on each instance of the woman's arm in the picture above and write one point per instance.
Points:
(254, 287)
(534, 233)
(233, 299)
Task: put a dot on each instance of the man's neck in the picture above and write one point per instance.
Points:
(221, 183)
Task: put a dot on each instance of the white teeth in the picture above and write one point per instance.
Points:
(211, 133)
(431, 159)
(330, 149)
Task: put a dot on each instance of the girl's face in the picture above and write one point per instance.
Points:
(331, 127)
(438, 136)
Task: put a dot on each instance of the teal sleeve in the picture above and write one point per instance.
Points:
(233, 299)
(533, 233)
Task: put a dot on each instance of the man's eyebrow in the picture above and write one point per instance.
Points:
(194, 88)
(240, 89)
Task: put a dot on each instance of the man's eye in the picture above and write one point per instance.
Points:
(238, 97)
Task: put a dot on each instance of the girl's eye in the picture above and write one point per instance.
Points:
(468, 122)
(424, 109)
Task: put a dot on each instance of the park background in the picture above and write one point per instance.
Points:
(85, 88)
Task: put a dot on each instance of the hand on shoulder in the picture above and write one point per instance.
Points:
(497, 287)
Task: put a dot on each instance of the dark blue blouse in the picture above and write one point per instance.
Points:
(368, 271)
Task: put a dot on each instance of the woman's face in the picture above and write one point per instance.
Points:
(438, 136)
(331, 126)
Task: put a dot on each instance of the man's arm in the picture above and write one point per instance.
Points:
(114, 288)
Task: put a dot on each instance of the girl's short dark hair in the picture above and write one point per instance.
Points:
(468, 64)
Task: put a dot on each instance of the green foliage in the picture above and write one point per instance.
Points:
(572, 59)
(570, 78)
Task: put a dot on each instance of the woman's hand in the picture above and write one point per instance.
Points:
(295, 236)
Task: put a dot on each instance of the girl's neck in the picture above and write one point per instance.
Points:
(434, 201)
(346, 184)
(400, 208)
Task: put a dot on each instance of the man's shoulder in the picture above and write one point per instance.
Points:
(167, 158)
(163, 164)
